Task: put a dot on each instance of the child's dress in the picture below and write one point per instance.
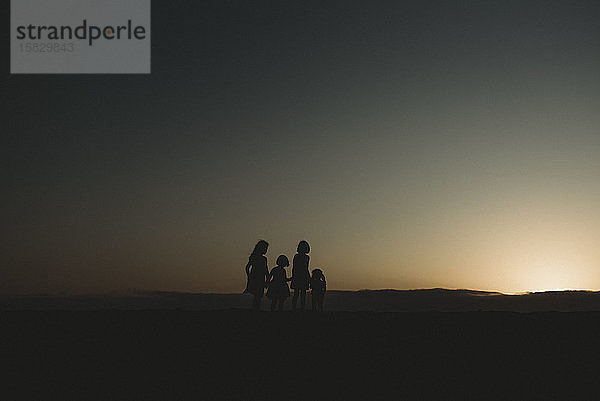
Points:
(278, 287)
(257, 275)
(318, 283)
(319, 286)
(300, 274)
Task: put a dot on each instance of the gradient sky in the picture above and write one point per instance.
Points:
(413, 144)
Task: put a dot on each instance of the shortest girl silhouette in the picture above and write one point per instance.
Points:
(318, 286)
(278, 290)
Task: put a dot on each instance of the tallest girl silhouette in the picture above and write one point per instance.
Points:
(257, 273)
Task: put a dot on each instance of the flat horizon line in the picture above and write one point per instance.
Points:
(138, 292)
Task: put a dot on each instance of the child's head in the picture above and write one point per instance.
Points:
(303, 247)
(283, 261)
(261, 247)
(317, 273)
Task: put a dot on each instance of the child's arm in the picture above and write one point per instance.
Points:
(269, 278)
(248, 267)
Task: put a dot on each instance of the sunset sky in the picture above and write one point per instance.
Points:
(412, 144)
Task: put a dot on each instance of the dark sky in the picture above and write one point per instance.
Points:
(413, 144)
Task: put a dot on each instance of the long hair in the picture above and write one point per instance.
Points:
(260, 248)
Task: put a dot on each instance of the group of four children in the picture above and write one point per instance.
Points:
(276, 281)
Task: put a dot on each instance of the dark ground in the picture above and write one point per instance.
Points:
(420, 300)
(243, 355)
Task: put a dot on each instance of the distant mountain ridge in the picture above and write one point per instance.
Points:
(384, 300)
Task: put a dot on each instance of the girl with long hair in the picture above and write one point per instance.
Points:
(257, 273)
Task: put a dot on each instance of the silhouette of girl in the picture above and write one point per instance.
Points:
(300, 274)
(318, 287)
(278, 288)
(258, 274)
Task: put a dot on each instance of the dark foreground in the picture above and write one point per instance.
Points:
(241, 355)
